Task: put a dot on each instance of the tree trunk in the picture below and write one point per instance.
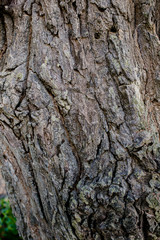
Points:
(80, 117)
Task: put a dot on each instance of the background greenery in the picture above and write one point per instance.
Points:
(8, 229)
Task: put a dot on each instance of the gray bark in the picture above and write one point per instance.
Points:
(2, 187)
(80, 117)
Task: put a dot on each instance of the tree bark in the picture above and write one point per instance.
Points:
(80, 117)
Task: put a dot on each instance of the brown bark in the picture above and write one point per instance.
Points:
(80, 117)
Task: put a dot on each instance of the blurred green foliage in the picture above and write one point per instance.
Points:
(8, 229)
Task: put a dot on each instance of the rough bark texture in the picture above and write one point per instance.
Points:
(2, 187)
(80, 117)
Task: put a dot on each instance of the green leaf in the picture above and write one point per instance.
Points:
(7, 221)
